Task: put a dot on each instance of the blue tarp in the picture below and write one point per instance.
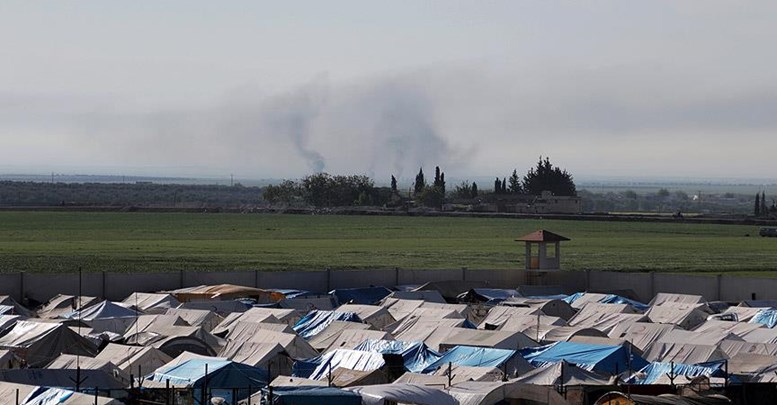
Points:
(221, 374)
(312, 396)
(653, 371)
(610, 299)
(766, 317)
(599, 358)
(316, 321)
(415, 355)
(320, 366)
(362, 296)
(472, 356)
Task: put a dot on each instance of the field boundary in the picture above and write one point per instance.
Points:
(39, 287)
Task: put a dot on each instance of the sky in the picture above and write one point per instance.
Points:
(267, 89)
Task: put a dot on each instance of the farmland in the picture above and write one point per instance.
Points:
(112, 241)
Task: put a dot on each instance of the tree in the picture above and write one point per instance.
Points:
(463, 190)
(764, 209)
(420, 182)
(497, 186)
(757, 209)
(393, 184)
(545, 177)
(504, 185)
(439, 179)
(515, 183)
(663, 193)
(474, 190)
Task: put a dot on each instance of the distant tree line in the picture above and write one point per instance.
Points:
(325, 190)
(761, 209)
(27, 193)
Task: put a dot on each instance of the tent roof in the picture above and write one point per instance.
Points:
(403, 393)
(542, 236)
(572, 375)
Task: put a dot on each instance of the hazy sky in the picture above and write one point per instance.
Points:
(284, 88)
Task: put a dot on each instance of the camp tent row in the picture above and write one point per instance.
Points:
(440, 335)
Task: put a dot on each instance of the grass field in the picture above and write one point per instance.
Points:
(63, 241)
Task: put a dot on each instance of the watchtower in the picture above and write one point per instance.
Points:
(543, 250)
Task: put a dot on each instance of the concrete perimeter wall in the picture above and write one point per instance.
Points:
(116, 286)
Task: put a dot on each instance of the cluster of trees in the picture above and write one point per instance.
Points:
(761, 209)
(325, 190)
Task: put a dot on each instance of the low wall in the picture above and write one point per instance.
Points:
(116, 286)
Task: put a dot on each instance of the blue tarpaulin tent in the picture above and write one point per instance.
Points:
(415, 355)
(610, 299)
(318, 367)
(766, 317)
(591, 357)
(222, 376)
(481, 357)
(316, 321)
(311, 396)
(651, 373)
(363, 296)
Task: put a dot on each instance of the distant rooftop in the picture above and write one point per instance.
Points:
(542, 236)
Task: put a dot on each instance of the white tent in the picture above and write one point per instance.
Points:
(38, 343)
(403, 394)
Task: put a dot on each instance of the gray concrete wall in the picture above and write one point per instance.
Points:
(640, 283)
(120, 285)
(704, 285)
(117, 286)
(410, 276)
(316, 281)
(506, 278)
(741, 288)
(363, 278)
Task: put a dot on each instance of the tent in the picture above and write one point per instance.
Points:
(295, 346)
(579, 300)
(459, 374)
(310, 303)
(425, 296)
(271, 356)
(130, 359)
(563, 373)
(686, 316)
(664, 298)
(416, 356)
(35, 395)
(197, 317)
(306, 395)
(62, 304)
(38, 343)
(151, 303)
(683, 353)
(221, 308)
(223, 377)
(766, 317)
(566, 333)
(603, 359)
(70, 361)
(548, 306)
(224, 292)
(403, 394)
(63, 378)
(324, 339)
(320, 367)
(498, 339)
(350, 338)
(258, 315)
(487, 296)
(641, 334)
(316, 321)
(104, 316)
(361, 296)
(374, 315)
(16, 308)
(663, 399)
(498, 316)
(658, 373)
(508, 360)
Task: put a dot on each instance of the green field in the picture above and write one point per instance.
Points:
(63, 241)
